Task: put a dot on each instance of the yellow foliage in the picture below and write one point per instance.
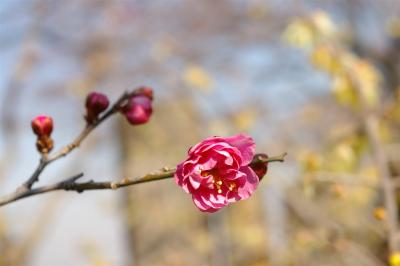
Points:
(347, 148)
(342, 158)
(367, 72)
(311, 162)
(380, 213)
(299, 33)
(343, 90)
(324, 57)
(197, 77)
(323, 23)
(368, 79)
(351, 75)
(394, 259)
(362, 74)
(307, 32)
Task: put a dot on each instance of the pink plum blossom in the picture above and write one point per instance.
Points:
(217, 172)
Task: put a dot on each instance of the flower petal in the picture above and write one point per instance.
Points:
(246, 146)
(201, 204)
(250, 184)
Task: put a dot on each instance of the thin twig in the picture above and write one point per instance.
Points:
(47, 159)
(20, 194)
(70, 184)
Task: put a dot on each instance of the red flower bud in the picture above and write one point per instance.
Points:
(138, 109)
(96, 103)
(42, 125)
(147, 91)
(260, 168)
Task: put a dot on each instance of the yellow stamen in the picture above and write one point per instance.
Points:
(219, 191)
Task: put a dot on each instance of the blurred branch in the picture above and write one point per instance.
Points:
(316, 217)
(370, 119)
(70, 184)
(342, 179)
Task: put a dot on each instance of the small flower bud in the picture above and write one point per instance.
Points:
(42, 125)
(138, 109)
(260, 168)
(96, 103)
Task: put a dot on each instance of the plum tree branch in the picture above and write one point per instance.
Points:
(47, 159)
(71, 184)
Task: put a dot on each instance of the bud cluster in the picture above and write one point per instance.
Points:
(42, 126)
(137, 109)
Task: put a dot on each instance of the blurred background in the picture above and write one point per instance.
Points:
(299, 76)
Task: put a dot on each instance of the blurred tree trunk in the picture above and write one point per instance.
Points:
(162, 225)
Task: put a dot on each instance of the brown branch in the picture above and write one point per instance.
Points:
(47, 159)
(70, 184)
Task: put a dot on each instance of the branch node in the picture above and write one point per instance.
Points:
(114, 185)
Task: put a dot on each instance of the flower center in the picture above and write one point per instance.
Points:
(219, 185)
